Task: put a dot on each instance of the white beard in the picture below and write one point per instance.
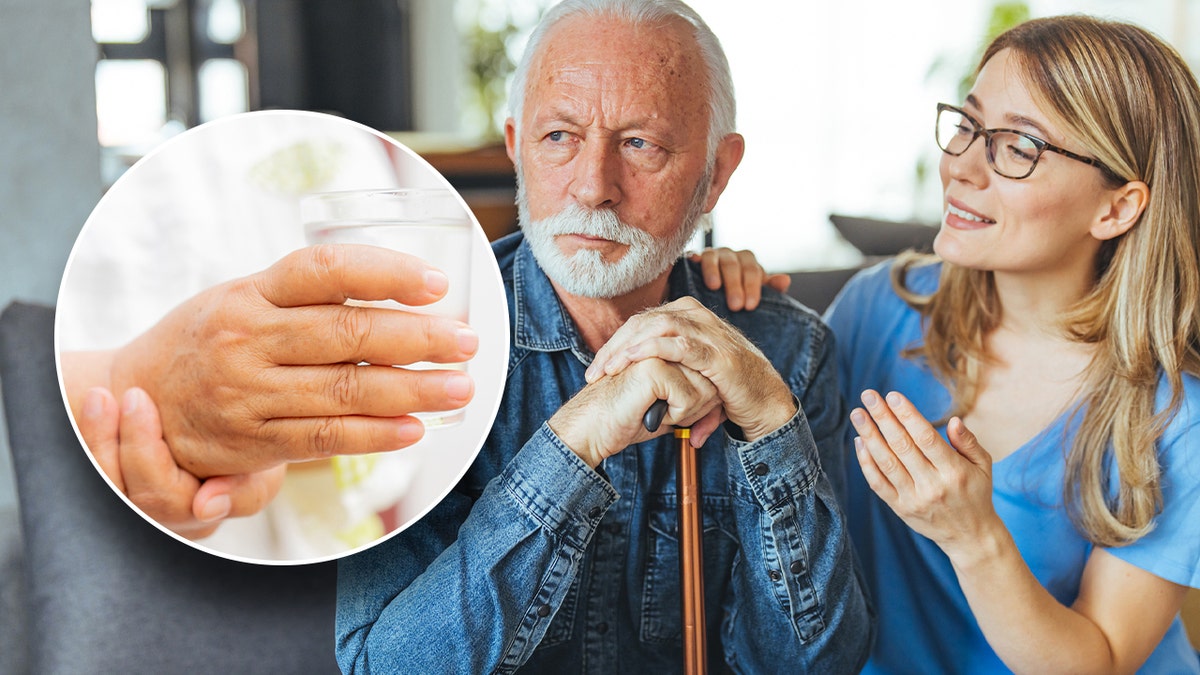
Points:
(585, 272)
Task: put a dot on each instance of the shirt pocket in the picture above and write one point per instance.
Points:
(661, 592)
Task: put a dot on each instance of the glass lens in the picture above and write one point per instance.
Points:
(1013, 155)
(954, 131)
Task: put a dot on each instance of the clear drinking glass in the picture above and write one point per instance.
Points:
(429, 223)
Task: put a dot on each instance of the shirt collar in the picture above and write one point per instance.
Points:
(542, 323)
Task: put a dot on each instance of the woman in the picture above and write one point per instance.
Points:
(1031, 503)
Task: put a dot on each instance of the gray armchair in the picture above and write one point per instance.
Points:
(105, 592)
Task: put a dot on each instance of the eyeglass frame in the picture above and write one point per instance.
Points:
(1040, 144)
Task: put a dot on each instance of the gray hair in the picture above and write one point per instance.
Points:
(722, 109)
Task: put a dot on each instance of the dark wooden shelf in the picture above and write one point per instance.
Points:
(482, 174)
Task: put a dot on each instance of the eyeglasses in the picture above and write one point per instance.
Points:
(1010, 153)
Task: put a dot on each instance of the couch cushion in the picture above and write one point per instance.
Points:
(875, 237)
(816, 289)
(108, 592)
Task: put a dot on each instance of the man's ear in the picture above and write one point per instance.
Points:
(510, 139)
(729, 155)
(1122, 210)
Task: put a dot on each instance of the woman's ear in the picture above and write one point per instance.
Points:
(1124, 206)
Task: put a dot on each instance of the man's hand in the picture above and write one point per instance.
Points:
(264, 370)
(752, 393)
(605, 417)
(127, 443)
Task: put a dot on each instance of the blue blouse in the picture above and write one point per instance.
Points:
(925, 624)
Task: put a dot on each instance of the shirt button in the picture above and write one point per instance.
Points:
(602, 628)
(594, 513)
(774, 575)
(543, 611)
(761, 469)
(797, 567)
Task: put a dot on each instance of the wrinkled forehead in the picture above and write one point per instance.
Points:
(656, 59)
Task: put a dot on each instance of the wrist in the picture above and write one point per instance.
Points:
(976, 554)
(577, 440)
(776, 411)
(82, 371)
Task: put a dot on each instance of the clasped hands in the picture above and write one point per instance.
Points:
(681, 352)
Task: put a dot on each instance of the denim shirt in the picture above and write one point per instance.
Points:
(538, 562)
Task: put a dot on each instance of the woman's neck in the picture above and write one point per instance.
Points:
(1034, 303)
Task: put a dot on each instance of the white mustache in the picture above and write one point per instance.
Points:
(601, 223)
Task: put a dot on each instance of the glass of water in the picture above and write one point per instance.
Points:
(429, 223)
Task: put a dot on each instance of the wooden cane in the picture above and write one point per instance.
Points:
(691, 544)
(691, 554)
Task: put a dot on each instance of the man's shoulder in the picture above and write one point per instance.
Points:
(780, 326)
(775, 310)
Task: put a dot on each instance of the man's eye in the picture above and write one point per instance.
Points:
(557, 136)
(638, 143)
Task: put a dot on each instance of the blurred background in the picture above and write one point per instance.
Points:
(836, 100)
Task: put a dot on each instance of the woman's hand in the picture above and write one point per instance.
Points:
(127, 442)
(944, 492)
(941, 490)
(741, 275)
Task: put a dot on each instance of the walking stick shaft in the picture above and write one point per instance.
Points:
(691, 555)
(691, 545)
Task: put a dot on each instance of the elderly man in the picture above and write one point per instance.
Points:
(557, 552)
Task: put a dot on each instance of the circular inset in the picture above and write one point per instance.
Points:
(220, 383)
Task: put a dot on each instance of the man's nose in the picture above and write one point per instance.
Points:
(596, 180)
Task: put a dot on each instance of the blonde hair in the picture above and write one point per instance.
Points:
(1134, 103)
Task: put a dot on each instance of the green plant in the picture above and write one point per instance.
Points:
(488, 68)
(493, 32)
(1004, 15)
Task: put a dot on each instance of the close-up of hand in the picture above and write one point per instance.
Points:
(606, 415)
(126, 441)
(741, 275)
(265, 370)
(753, 395)
(941, 490)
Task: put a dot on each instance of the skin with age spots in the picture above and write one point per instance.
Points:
(605, 124)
